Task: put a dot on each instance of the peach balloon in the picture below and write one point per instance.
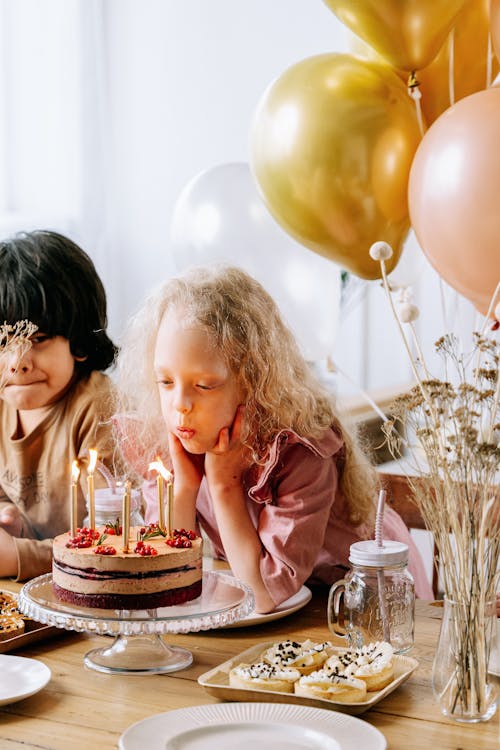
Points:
(454, 189)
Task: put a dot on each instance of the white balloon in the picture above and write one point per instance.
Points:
(219, 216)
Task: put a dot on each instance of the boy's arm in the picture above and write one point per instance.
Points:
(33, 558)
(8, 555)
(14, 522)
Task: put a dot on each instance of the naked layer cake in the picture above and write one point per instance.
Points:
(91, 569)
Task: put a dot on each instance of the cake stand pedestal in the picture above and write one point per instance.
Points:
(138, 647)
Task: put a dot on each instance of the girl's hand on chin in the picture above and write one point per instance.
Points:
(229, 458)
(188, 467)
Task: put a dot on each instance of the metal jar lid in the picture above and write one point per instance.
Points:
(368, 553)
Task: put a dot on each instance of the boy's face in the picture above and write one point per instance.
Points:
(41, 376)
(199, 394)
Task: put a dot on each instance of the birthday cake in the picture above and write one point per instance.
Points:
(91, 568)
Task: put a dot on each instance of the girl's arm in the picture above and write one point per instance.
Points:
(224, 468)
(188, 473)
(289, 517)
(242, 545)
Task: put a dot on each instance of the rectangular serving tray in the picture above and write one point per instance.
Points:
(33, 631)
(216, 682)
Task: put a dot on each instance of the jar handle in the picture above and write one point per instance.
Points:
(336, 620)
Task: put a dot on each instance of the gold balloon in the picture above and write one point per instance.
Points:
(469, 46)
(407, 33)
(331, 149)
(495, 26)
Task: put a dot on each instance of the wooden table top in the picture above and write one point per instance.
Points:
(81, 708)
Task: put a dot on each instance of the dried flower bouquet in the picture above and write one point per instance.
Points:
(451, 431)
(15, 339)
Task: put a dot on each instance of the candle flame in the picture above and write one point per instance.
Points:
(92, 460)
(75, 471)
(159, 467)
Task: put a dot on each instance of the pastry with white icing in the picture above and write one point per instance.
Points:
(10, 626)
(306, 657)
(373, 664)
(327, 685)
(263, 676)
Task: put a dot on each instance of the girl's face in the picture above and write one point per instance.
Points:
(41, 376)
(199, 394)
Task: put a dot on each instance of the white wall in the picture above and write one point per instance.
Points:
(185, 81)
(186, 76)
(112, 106)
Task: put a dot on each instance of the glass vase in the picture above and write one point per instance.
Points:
(460, 679)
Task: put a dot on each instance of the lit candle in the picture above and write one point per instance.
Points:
(73, 507)
(90, 486)
(126, 516)
(170, 505)
(162, 474)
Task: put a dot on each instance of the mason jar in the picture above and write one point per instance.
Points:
(375, 601)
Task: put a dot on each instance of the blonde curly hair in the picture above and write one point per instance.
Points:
(281, 390)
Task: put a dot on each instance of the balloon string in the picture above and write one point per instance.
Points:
(400, 327)
(491, 307)
(415, 93)
(442, 299)
(333, 367)
(451, 67)
(489, 58)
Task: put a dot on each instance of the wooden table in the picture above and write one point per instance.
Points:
(82, 709)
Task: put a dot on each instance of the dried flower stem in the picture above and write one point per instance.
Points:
(15, 340)
(405, 342)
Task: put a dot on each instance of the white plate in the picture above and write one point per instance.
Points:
(273, 726)
(21, 677)
(295, 602)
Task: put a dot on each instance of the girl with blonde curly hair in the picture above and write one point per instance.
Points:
(261, 460)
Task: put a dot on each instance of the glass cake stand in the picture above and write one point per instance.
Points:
(138, 647)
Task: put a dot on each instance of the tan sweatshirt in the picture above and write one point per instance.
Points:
(35, 470)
